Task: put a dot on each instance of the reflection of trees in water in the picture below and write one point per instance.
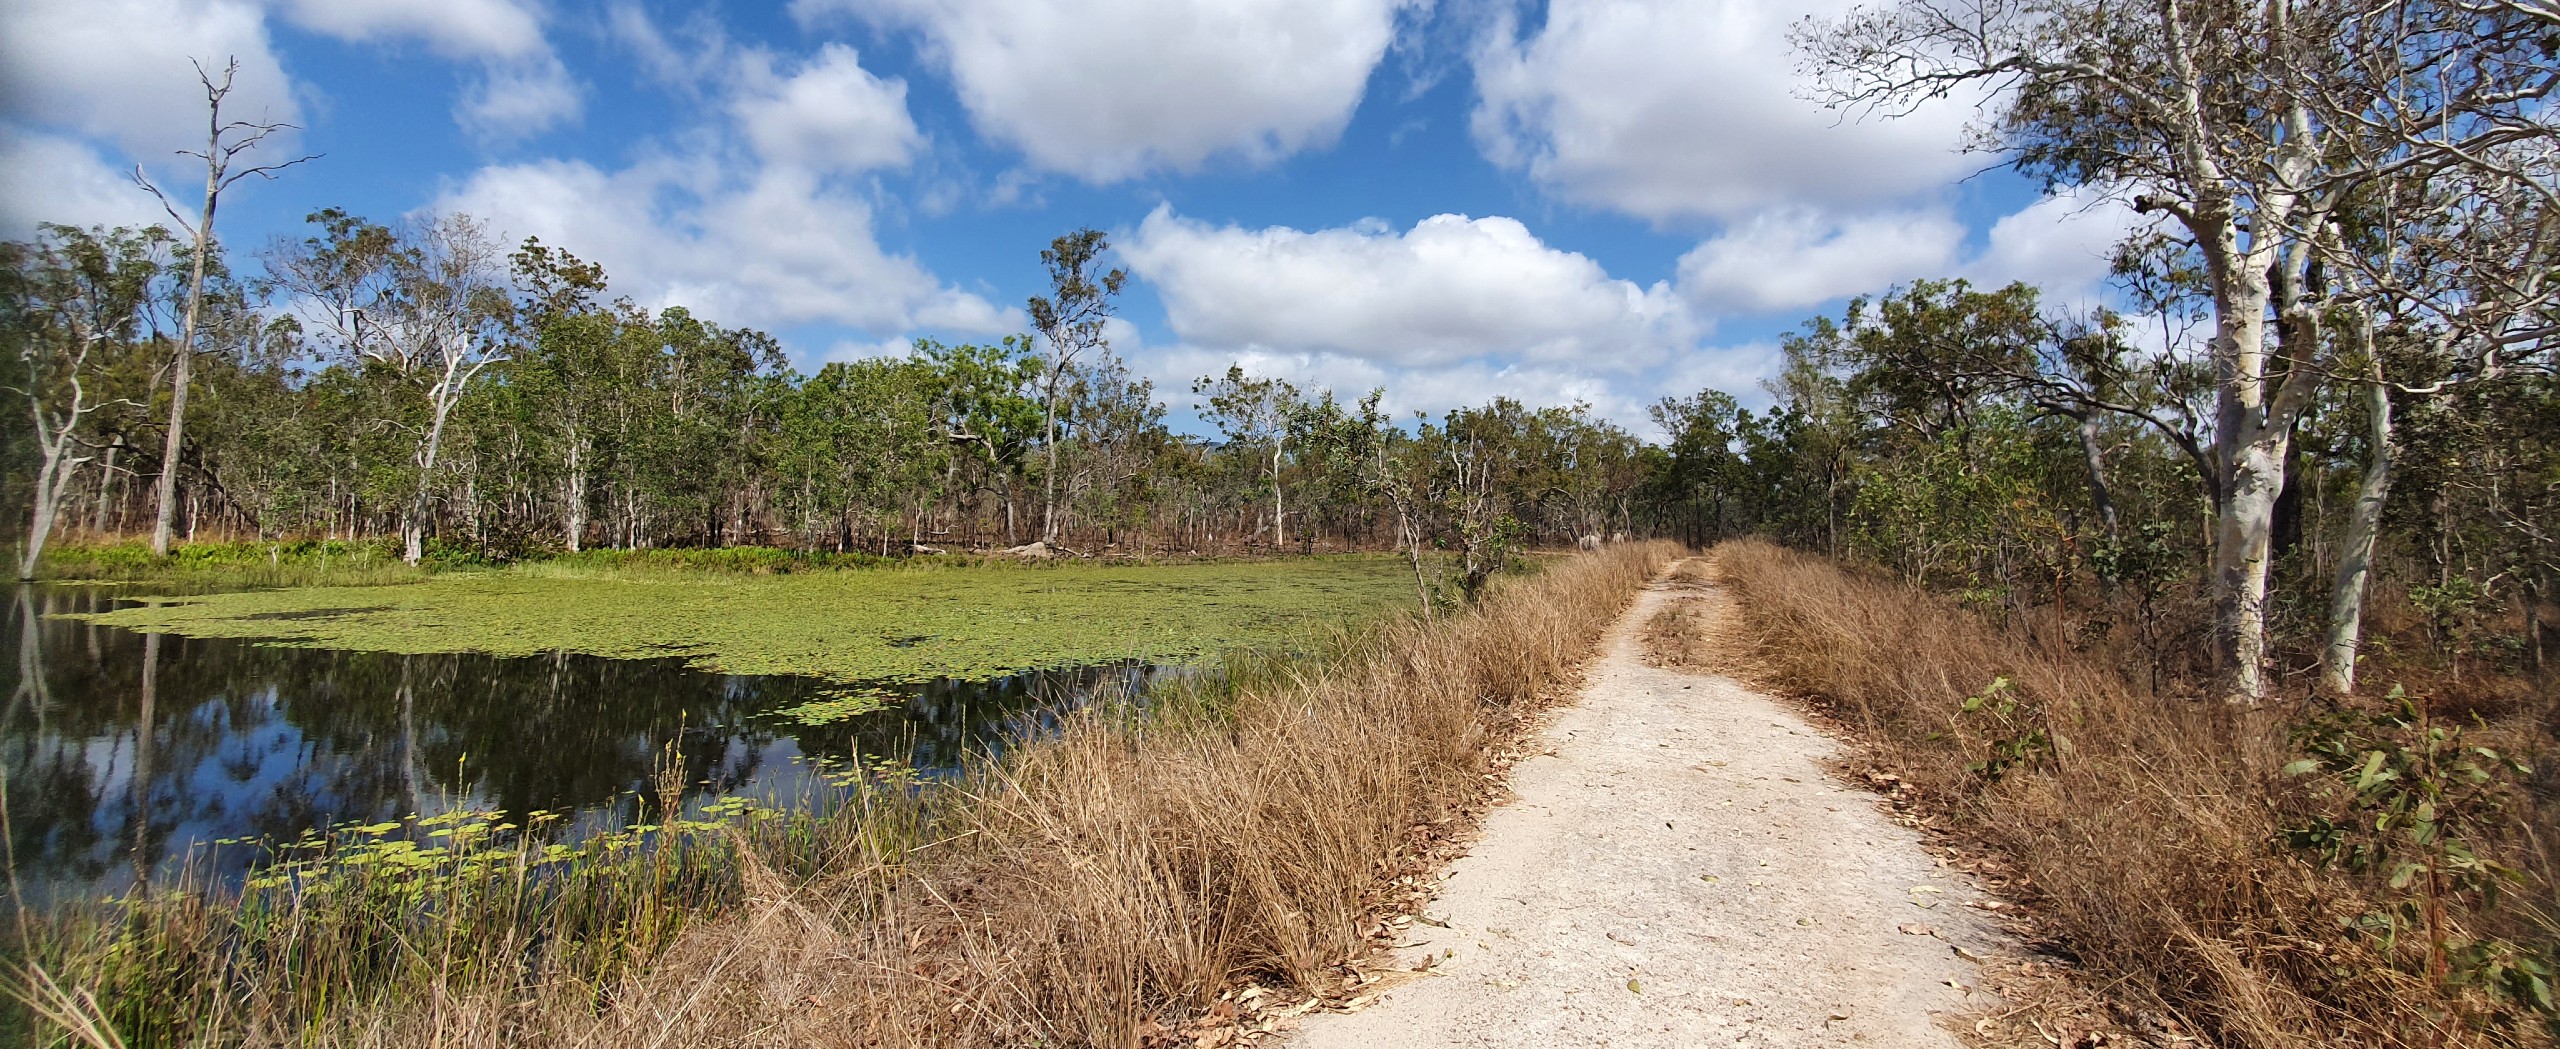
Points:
(123, 750)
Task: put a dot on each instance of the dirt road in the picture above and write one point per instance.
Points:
(1679, 870)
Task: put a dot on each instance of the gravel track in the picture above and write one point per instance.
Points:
(1680, 869)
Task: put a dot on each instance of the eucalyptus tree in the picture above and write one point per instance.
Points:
(225, 141)
(73, 305)
(1115, 434)
(1334, 442)
(2232, 122)
(425, 303)
(2444, 282)
(1701, 475)
(1071, 321)
(861, 445)
(984, 408)
(1255, 413)
(566, 335)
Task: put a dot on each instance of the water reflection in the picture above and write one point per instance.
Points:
(127, 753)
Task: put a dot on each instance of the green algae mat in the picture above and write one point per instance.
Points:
(902, 624)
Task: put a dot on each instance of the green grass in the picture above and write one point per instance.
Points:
(914, 623)
(196, 567)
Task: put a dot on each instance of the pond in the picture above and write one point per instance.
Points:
(129, 756)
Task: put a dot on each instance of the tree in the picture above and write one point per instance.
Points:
(981, 407)
(2235, 123)
(425, 304)
(566, 336)
(1255, 413)
(224, 143)
(1069, 324)
(2443, 282)
(72, 304)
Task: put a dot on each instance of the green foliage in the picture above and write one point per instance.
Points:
(2408, 801)
(2012, 732)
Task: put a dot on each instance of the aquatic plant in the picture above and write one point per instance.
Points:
(912, 626)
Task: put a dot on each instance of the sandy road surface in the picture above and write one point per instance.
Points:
(1679, 870)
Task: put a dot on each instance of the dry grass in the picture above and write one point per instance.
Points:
(1109, 887)
(2147, 844)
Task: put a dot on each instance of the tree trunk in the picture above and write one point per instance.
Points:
(2097, 458)
(1279, 536)
(576, 496)
(413, 532)
(185, 363)
(51, 479)
(106, 488)
(1049, 475)
(2242, 545)
(2355, 558)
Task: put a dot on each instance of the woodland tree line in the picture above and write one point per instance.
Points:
(2329, 378)
(419, 382)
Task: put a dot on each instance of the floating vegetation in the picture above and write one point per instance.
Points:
(901, 626)
(839, 705)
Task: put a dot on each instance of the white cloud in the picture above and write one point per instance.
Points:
(773, 248)
(517, 99)
(1789, 258)
(1110, 89)
(1451, 288)
(1453, 311)
(1670, 109)
(682, 63)
(1792, 259)
(829, 116)
(499, 29)
(119, 69)
(523, 88)
(60, 180)
(2064, 243)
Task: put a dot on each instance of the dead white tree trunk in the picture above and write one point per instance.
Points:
(224, 142)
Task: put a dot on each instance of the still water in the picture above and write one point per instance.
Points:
(128, 756)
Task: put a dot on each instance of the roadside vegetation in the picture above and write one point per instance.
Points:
(2292, 875)
(1234, 832)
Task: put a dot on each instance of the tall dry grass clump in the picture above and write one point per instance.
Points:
(2149, 830)
(1099, 888)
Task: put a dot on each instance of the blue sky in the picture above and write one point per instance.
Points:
(1605, 202)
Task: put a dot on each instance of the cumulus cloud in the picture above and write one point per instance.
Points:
(776, 248)
(831, 115)
(684, 60)
(2064, 243)
(1675, 109)
(1791, 258)
(120, 69)
(1450, 288)
(1452, 311)
(61, 180)
(1110, 89)
(523, 88)
(500, 29)
(515, 100)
